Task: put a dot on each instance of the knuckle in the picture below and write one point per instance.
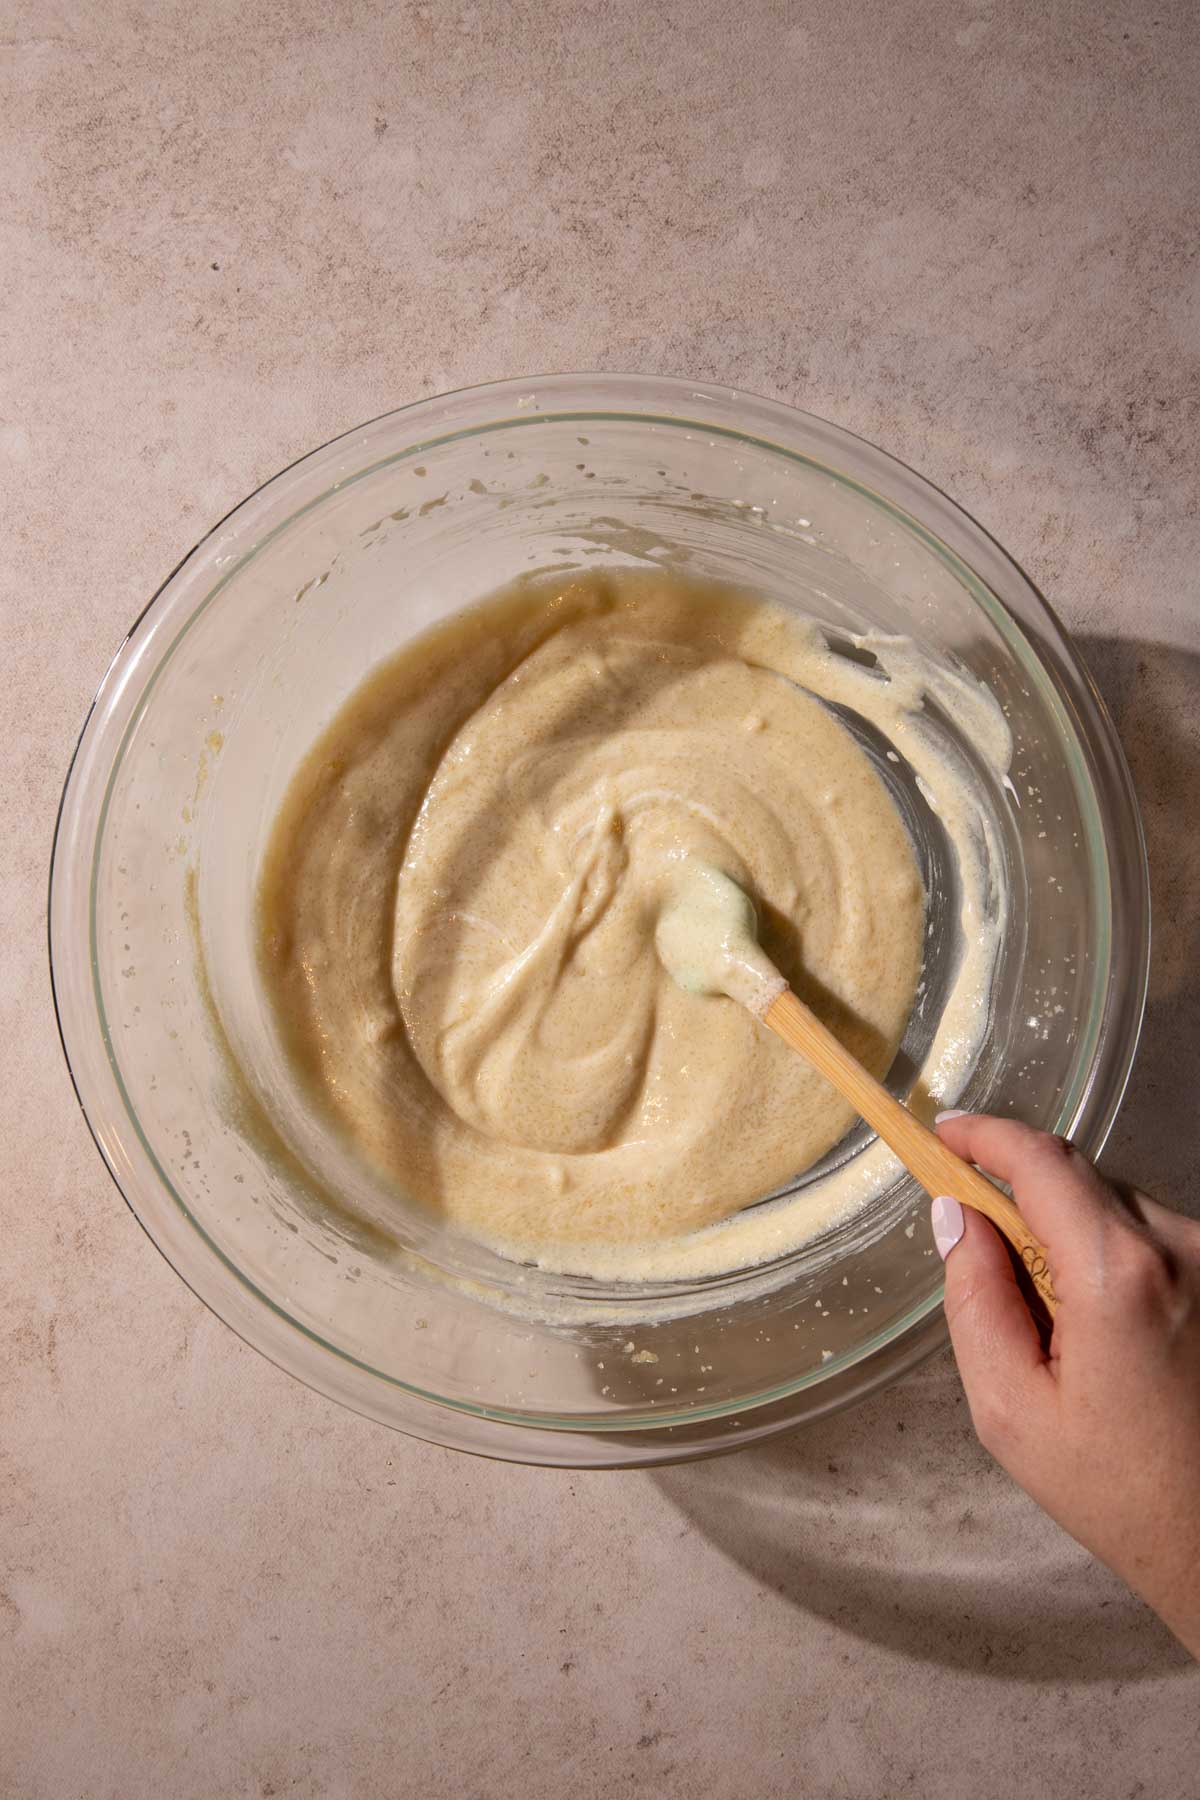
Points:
(1041, 1162)
(1051, 1155)
(1138, 1267)
(1016, 1138)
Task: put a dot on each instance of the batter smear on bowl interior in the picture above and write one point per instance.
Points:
(459, 902)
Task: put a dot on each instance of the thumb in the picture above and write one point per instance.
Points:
(996, 1342)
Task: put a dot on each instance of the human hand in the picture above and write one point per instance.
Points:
(1103, 1429)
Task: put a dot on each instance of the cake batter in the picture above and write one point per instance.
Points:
(461, 894)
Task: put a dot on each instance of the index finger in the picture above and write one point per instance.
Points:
(1058, 1191)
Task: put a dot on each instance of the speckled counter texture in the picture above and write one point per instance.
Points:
(227, 232)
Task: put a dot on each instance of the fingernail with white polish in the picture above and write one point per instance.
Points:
(953, 1112)
(946, 1217)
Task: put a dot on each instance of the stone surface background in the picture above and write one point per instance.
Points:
(967, 231)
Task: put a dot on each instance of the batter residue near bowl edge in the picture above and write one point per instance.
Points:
(460, 894)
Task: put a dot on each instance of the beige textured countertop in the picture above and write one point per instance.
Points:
(965, 230)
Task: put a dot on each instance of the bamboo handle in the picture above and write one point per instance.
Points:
(920, 1150)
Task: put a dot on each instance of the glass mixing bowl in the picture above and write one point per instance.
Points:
(223, 684)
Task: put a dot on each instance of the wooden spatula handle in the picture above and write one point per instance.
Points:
(920, 1150)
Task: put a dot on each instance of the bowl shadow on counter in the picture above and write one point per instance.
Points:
(889, 1520)
(1153, 693)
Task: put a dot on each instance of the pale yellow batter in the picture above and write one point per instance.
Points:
(461, 895)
